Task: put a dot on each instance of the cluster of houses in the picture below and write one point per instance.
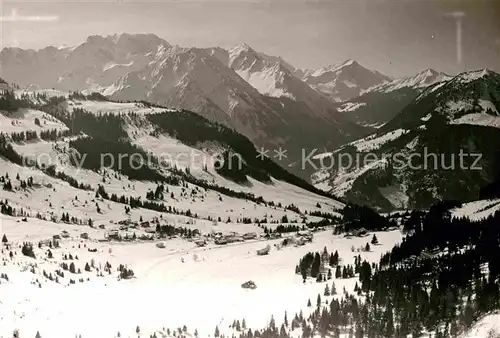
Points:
(125, 225)
(57, 237)
(115, 235)
(221, 239)
(129, 224)
(300, 238)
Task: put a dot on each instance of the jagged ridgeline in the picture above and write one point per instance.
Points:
(9, 103)
(106, 133)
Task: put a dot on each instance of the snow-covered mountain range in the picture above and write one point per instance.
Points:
(422, 79)
(460, 114)
(262, 96)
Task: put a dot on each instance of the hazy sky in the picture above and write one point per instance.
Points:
(395, 37)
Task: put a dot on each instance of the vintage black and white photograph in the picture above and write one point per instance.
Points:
(250, 169)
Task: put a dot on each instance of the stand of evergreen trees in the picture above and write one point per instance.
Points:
(9, 102)
(94, 96)
(137, 202)
(7, 151)
(357, 217)
(47, 135)
(170, 230)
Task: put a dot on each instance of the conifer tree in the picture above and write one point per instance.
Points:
(338, 272)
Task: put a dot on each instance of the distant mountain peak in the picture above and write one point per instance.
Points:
(428, 72)
(432, 75)
(343, 81)
(96, 39)
(350, 62)
(241, 48)
(338, 66)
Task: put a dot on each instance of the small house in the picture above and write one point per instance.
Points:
(201, 242)
(113, 234)
(264, 251)
(300, 241)
(46, 242)
(221, 241)
(249, 285)
(230, 238)
(250, 235)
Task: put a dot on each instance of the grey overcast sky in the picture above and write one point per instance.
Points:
(395, 37)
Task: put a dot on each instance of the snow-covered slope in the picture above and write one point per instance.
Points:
(487, 327)
(477, 210)
(203, 283)
(62, 287)
(27, 119)
(373, 142)
(199, 158)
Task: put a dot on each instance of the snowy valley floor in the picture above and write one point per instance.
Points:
(182, 284)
